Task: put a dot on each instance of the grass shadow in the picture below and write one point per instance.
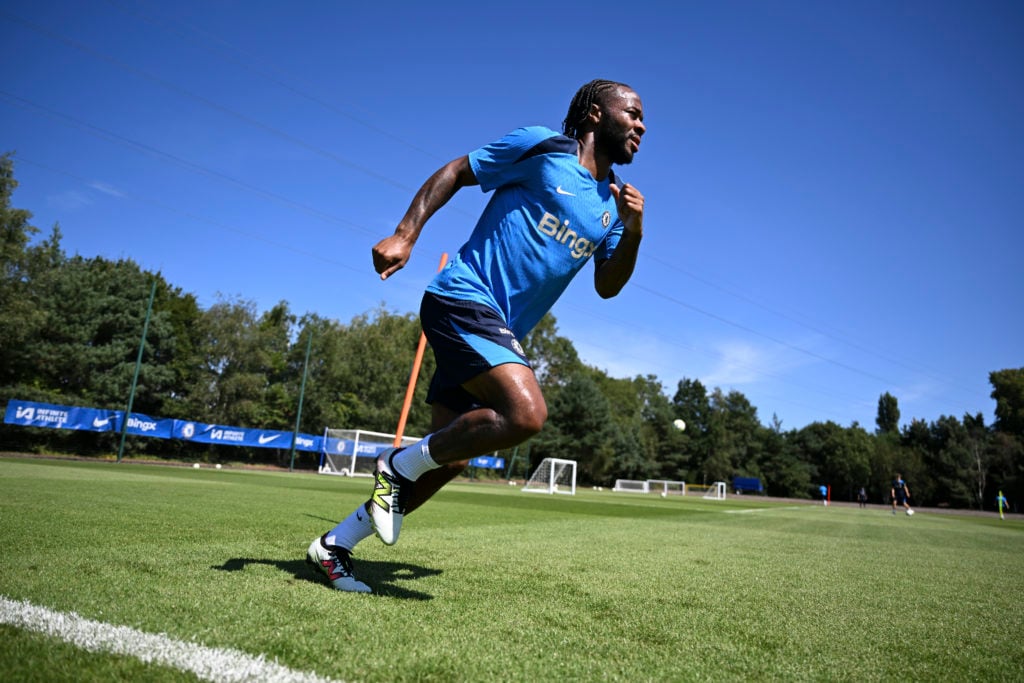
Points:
(382, 577)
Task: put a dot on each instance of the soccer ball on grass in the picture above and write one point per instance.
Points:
(910, 512)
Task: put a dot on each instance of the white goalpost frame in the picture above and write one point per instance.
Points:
(667, 486)
(715, 491)
(362, 461)
(553, 475)
(632, 486)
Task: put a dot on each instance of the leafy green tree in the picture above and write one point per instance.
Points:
(733, 431)
(375, 358)
(838, 457)
(953, 464)
(888, 419)
(1008, 392)
(885, 459)
(915, 454)
(94, 314)
(662, 442)
(553, 357)
(21, 315)
(783, 473)
(234, 366)
(631, 459)
(691, 404)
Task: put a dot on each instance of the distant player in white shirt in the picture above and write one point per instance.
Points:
(556, 203)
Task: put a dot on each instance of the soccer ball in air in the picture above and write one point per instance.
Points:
(680, 425)
(910, 512)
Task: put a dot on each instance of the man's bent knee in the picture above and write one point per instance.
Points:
(527, 423)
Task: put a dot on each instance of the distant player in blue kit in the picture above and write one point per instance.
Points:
(556, 203)
(900, 494)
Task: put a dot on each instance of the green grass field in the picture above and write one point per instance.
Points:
(491, 584)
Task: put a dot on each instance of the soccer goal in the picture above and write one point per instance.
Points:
(714, 491)
(632, 486)
(553, 475)
(353, 452)
(667, 487)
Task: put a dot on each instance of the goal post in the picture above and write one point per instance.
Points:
(553, 475)
(353, 452)
(714, 491)
(632, 486)
(667, 487)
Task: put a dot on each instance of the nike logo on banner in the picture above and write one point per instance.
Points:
(559, 190)
(267, 439)
(97, 422)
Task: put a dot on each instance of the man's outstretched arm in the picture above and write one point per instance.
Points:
(392, 253)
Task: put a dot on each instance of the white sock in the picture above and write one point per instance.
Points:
(351, 530)
(414, 461)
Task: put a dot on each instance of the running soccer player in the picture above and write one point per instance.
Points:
(556, 203)
(900, 493)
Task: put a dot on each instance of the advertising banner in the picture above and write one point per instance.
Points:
(32, 414)
(238, 436)
(364, 449)
(489, 462)
(143, 425)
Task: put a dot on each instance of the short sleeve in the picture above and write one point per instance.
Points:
(498, 164)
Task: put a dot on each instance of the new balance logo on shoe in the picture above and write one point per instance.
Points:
(333, 568)
(382, 491)
(387, 504)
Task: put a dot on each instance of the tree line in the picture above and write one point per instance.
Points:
(70, 329)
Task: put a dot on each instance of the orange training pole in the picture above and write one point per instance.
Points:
(407, 404)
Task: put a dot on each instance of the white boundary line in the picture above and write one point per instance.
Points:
(747, 510)
(220, 665)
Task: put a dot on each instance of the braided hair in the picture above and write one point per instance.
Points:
(579, 108)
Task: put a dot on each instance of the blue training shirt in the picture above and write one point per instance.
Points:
(547, 217)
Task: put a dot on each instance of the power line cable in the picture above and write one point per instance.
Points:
(207, 102)
(110, 136)
(812, 327)
(206, 39)
(197, 217)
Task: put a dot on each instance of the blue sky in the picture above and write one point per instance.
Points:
(834, 190)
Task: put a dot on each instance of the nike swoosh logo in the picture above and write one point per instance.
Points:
(97, 422)
(559, 190)
(267, 439)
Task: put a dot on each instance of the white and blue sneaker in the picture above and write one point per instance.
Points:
(387, 504)
(336, 563)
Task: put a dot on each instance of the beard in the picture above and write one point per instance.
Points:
(615, 143)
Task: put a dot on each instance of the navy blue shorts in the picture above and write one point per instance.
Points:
(467, 338)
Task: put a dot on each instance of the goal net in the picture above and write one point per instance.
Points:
(353, 452)
(667, 487)
(553, 475)
(631, 485)
(714, 491)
